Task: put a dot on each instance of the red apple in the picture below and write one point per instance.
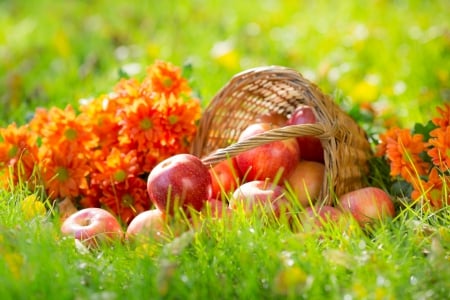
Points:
(149, 224)
(368, 205)
(310, 147)
(225, 178)
(267, 161)
(179, 182)
(92, 226)
(306, 181)
(272, 118)
(260, 194)
(318, 217)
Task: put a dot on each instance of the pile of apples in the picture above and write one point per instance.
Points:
(271, 177)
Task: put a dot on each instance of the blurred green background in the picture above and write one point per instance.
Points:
(391, 54)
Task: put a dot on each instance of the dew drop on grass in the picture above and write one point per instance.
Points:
(382, 281)
(362, 245)
(413, 280)
(184, 278)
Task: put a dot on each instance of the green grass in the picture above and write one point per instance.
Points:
(394, 54)
(406, 258)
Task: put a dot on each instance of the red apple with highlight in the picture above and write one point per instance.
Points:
(179, 182)
(93, 227)
(368, 205)
(274, 160)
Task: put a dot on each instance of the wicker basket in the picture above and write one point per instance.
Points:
(282, 90)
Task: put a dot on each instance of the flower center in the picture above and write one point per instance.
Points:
(71, 134)
(167, 82)
(62, 173)
(146, 123)
(13, 151)
(127, 200)
(120, 175)
(173, 119)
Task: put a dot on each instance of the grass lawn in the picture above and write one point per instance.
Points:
(389, 57)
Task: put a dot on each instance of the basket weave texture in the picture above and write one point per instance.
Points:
(281, 90)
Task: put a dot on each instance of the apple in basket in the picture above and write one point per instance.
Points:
(260, 195)
(93, 227)
(310, 147)
(368, 205)
(225, 178)
(274, 160)
(306, 181)
(181, 181)
(272, 118)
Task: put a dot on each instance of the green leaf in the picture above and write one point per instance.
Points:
(424, 129)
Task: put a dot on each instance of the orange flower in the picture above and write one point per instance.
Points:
(63, 170)
(433, 191)
(126, 91)
(140, 130)
(166, 79)
(18, 152)
(178, 123)
(57, 127)
(115, 168)
(444, 119)
(102, 113)
(126, 198)
(440, 147)
(403, 152)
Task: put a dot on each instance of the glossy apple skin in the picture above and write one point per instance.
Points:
(179, 182)
(368, 205)
(225, 178)
(258, 194)
(306, 181)
(92, 227)
(146, 226)
(267, 161)
(310, 147)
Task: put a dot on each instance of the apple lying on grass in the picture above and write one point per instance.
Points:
(269, 161)
(310, 147)
(368, 205)
(318, 217)
(306, 181)
(260, 195)
(149, 224)
(182, 182)
(92, 227)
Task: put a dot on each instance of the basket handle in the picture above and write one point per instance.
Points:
(292, 131)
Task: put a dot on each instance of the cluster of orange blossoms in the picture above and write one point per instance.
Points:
(422, 162)
(99, 156)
